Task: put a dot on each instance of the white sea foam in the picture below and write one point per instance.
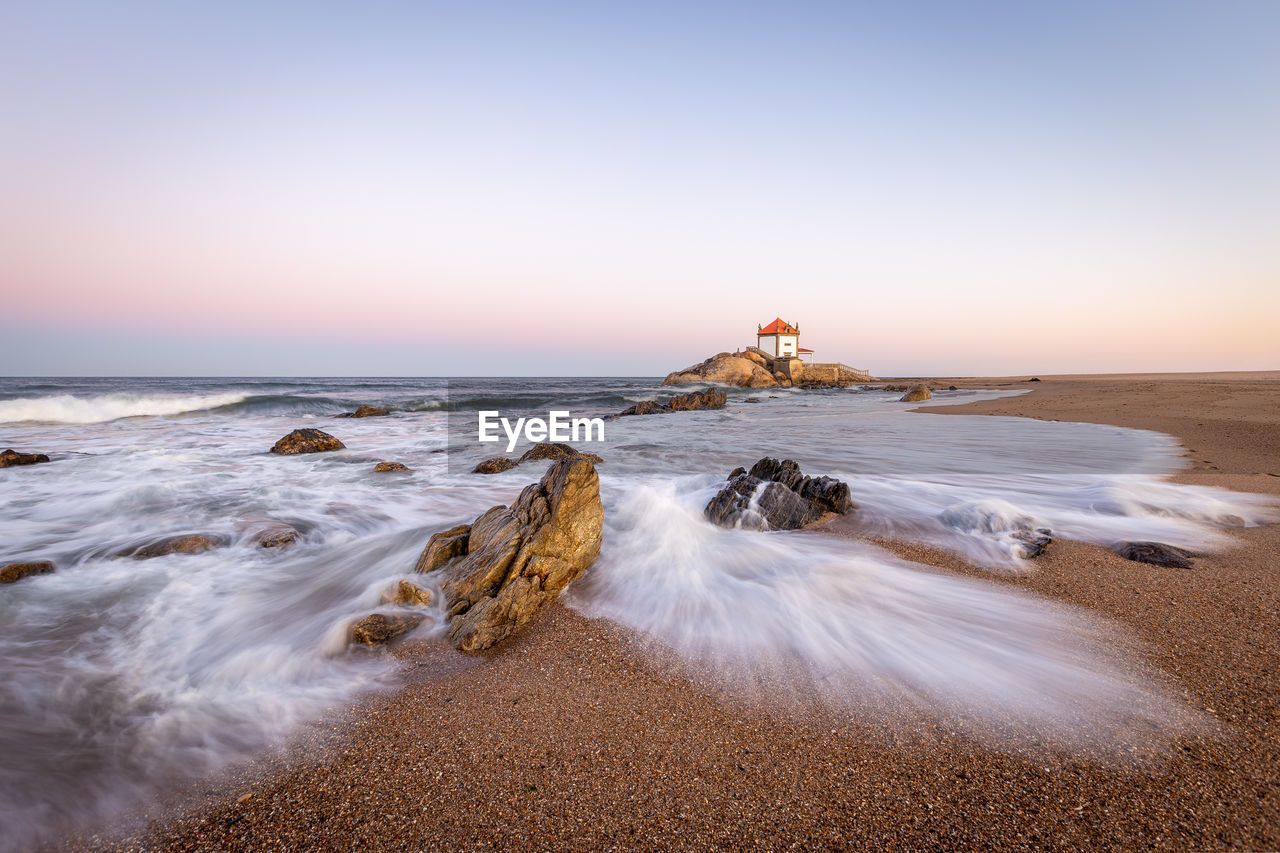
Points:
(69, 409)
(849, 621)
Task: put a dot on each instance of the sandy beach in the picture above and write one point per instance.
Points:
(573, 735)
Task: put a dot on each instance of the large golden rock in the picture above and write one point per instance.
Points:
(915, 394)
(725, 369)
(517, 558)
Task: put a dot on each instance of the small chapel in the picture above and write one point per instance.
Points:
(781, 340)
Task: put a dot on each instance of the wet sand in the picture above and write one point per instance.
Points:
(574, 737)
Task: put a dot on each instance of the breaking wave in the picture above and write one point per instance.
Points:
(69, 409)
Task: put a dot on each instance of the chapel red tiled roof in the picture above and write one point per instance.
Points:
(779, 326)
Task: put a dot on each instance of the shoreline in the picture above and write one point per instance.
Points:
(571, 737)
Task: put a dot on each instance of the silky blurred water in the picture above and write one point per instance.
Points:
(119, 676)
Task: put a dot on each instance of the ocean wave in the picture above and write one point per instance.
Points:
(69, 409)
(287, 404)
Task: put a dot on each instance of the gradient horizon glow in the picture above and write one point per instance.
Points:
(624, 189)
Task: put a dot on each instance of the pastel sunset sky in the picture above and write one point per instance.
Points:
(600, 188)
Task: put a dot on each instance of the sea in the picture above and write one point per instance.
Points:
(120, 678)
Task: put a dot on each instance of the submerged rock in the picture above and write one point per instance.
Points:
(278, 536)
(406, 592)
(365, 412)
(775, 495)
(515, 559)
(1155, 553)
(307, 441)
(915, 394)
(176, 545)
(495, 465)
(17, 571)
(725, 369)
(712, 398)
(392, 467)
(1032, 543)
(11, 457)
(378, 628)
(1002, 520)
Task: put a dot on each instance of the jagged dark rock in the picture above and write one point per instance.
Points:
(1155, 553)
(775, 495)
(307, 441)
(11, 457)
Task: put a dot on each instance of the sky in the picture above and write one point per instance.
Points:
(605, 188)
